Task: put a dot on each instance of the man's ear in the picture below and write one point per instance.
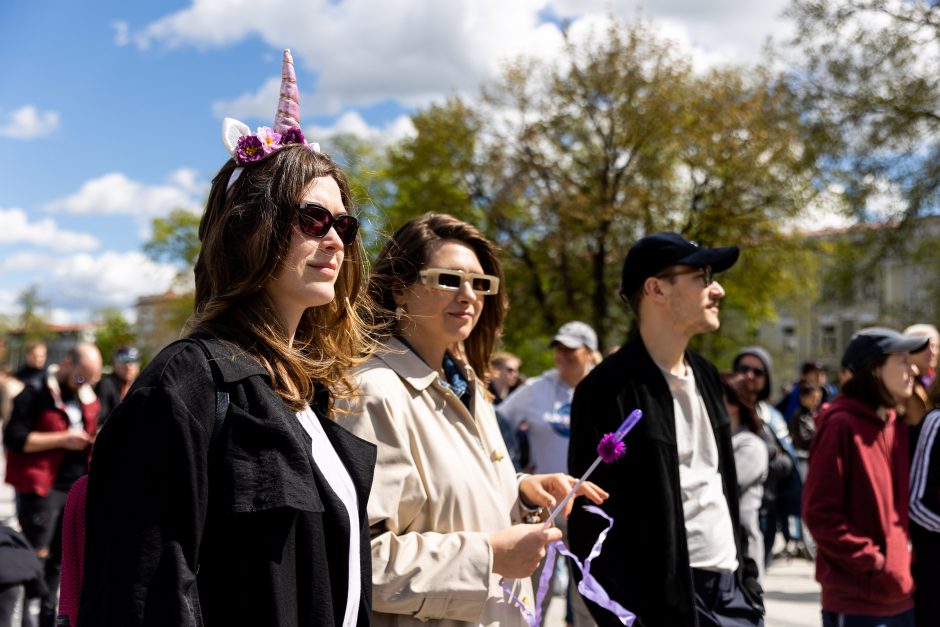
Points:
(652, 288)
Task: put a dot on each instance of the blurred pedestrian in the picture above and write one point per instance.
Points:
(114, 386)
(674, 555)
(812, 373)
(802, 422)
(926, 362)
(255, 516)
(446, 500)
(10, 387)
(504, 375)
(34, 363)
(751, 459)
(855, 501)
(48, 440)
(543, 407)
(780, 511)
(925, 513)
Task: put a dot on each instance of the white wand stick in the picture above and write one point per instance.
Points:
(610, 448)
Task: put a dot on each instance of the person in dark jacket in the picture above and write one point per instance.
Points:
(260, 518)
(855, 501)
(675, 553)
(925, 513)
(113, 387)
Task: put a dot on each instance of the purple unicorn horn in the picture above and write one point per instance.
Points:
(288, 105)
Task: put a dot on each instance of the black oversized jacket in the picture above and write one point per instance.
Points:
(645, 560)
(254, 518)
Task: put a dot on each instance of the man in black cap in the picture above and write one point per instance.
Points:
(674, 555)
(113, 387)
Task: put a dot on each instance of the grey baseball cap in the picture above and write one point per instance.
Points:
(874, 342)
(576, 334)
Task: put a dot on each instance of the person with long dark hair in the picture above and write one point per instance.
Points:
(751, 460)
(855, 501)
(221, 491)
(446, 498)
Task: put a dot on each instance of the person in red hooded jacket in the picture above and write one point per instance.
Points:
(855, 499)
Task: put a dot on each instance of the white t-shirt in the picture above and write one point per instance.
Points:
(341, 483)
(545, 404)
(708, 525)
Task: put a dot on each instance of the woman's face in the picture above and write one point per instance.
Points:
(897, 375)
(442, 317)
(307, 277)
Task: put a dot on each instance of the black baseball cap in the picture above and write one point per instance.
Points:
(869, 344)
(654, 253)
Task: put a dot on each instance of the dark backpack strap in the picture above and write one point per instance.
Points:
(221, 392)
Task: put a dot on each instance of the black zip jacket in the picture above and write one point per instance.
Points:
(644, 564)
(250, 534)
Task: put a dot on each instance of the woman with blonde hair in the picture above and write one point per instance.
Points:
(221, 492)
(446, 548)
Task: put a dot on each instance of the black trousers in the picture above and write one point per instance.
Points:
(41, 521)
(719, 602)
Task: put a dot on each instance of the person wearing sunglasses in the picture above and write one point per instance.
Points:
(783, 488)
(675, 553)
(445, 498)
(255, 515)
(48, 440)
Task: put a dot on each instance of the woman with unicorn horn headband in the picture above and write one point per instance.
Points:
(222, 492)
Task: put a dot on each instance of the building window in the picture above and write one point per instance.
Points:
(828, 340)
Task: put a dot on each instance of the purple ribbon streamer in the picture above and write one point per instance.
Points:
(589, 587)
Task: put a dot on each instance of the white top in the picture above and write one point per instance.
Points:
(341, 483)
(545, 404)
(707, 519)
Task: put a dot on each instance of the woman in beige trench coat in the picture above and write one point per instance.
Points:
(446, 504)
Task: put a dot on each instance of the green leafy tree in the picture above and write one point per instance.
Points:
(175, 240)
(866, 72)
(566, 165)
(114, 330)
(868, 76)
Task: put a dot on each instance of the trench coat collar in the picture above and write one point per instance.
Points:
(407, 365)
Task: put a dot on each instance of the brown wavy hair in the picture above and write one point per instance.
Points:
(245, 236)
(407, 252)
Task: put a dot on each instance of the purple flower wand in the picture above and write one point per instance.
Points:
(609, 449)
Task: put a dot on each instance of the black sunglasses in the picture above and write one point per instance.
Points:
(757, 372)
(316, 221)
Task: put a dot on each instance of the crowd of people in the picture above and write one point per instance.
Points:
(331, 446)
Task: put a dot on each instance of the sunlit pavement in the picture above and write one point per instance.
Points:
(791, 596)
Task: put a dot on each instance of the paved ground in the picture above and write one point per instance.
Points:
(791, 597)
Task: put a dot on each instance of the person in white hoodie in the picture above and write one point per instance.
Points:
(543, 408)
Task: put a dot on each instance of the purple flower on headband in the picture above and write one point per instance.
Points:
(269, 139)
(249, 148)
(610, 448)
(293, 136)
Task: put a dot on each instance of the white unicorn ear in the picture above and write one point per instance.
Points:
(232, 129)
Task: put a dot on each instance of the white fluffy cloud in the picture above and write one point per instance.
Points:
(351, 123)
(419, 51)
(83, 282)
(28, 122)
(116, 194)
(17, 229)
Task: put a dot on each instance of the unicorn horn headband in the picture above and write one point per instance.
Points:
(247, 147)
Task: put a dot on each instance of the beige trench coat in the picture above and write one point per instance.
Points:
(443, 483)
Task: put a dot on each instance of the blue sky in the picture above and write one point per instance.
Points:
(110, 112)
